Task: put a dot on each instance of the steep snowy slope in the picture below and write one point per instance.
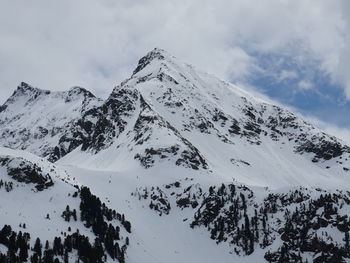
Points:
(167, 114)
(127, 131)
(36, 202)
(232, 128)
(43, 122)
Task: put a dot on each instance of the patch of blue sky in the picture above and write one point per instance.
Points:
(300, 82)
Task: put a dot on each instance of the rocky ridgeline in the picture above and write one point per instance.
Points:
(182, 102)
(106, 124)
(254, 122)
(184, 95)
(23, 171)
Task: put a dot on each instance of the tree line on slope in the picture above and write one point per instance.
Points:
(108, 243)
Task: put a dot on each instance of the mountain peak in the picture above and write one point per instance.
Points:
(23, 85)
(25, 88)
(29, 92)
(155, 54)
(76, 90)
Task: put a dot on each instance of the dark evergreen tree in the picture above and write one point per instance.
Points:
(38, 248)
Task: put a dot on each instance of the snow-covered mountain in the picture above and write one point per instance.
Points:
(204, 170)
(44, 122)
(170, 114)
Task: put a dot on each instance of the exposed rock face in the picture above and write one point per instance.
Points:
(24, 171)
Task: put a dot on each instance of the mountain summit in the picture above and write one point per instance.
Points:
(204, 170)
(155, 54)
(170, 114)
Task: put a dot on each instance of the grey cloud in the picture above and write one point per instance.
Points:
(96, 43)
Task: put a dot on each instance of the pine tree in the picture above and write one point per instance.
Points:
(23, 249)
(75, 215)
(98, 249)
(57, 246)
(347, 240)
(38, 247)
(47, 245)
(65, 257)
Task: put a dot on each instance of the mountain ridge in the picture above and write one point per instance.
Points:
(189, 104)
(36, 119)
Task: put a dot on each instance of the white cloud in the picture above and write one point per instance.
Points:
(96, 43)
(305, 85)
(287, 75)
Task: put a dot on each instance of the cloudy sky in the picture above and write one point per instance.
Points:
(294, 51)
